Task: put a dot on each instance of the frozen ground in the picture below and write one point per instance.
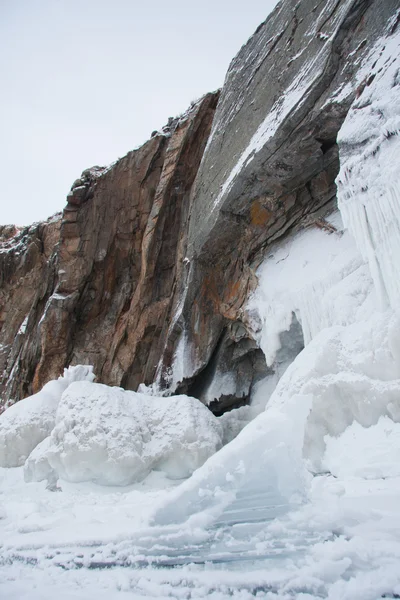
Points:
(343, 543)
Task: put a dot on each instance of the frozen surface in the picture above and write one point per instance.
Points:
(114, 437)
(365, 452)
(368, 186)
(320, 277)
(25, 424)
(86, 542)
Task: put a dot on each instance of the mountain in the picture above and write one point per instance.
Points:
(244, 260)
(157, 254)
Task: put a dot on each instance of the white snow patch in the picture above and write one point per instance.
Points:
(25, 424)
(114, 437)
(318, 276)
(366, 452)
(22, 329)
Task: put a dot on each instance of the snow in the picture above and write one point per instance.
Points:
(368, 190)
(23, 326)
(320, 277)
(25, 424)
(114, 437)
(275, 437)
(374, 451)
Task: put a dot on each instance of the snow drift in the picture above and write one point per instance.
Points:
(114, 437)
(25, 424)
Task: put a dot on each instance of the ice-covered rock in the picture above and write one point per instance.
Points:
(368, 188)
(115, 437)
(319, 276)
(25, 424)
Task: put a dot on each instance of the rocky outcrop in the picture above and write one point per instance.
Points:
(100, 293)
(269, 167)
(146, 276)
(27, 276)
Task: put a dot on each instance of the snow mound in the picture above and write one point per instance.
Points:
(114, 437)
(25, 424)
(258, 475)
(37, 466)
(365, 452)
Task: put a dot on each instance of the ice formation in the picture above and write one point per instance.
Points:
(114, 437)
(25, 424)
(374, 451)
(263, 462)
(320, 277)
(368, 188)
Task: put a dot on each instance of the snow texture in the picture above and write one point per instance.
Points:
(365, 452)
(368, 188)
(319, 276)
(114, 437)
(25, 424)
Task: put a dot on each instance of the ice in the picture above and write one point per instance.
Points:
(25, 424)
(368, 189)
(23, 326)
(114, 437)
(271, 445)
(374, 451)
(37, 466)
(320, 277)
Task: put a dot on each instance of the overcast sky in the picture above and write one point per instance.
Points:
(83, 82)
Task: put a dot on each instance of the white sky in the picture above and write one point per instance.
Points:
(85, 81)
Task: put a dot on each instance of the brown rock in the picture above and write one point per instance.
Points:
(103, 294)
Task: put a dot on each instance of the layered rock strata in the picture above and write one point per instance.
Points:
(96, 286)
(147, 274)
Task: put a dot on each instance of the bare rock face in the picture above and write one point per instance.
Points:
(269, 168)
(27, 276)
(147, 274)
(100, 291)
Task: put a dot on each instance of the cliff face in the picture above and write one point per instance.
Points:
(269, 168)
(96, 286)
(147, 273)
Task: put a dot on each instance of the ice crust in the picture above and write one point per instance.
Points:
(318, 276)
(25, 424)
(365, 452)
(113, 437)
(368, 187)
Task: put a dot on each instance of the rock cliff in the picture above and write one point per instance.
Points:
(147, 272)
